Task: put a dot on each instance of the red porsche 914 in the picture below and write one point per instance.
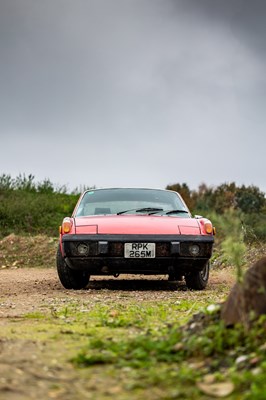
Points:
(134, 231)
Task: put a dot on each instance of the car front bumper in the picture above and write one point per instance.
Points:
(105, 255)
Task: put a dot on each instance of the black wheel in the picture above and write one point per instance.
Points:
(70, 279)
(198, 280)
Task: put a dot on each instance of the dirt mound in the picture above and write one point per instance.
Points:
(27, 251)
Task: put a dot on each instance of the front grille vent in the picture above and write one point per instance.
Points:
(116, 249)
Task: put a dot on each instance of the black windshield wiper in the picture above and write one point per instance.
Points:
(144, 209)
(149, 209)
(176, 212)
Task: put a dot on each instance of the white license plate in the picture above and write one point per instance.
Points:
(139, 250)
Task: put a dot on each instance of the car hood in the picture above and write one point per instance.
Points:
(136, 224)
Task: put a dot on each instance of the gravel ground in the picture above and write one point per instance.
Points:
(26, 290)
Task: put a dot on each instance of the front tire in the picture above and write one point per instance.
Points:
(70, 279)
(198, 280)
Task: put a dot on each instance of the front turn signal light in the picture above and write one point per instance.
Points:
(208, 228)
(66, 226)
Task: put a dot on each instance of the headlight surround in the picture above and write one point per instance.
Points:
(194, 249)
(83, 249)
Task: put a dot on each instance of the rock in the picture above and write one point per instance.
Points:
(247, 300)
(219, 389)
(241, 359)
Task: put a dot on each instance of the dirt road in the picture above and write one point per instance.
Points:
(27, 290)
(29, 368)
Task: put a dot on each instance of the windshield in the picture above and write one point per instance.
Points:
(131, 201)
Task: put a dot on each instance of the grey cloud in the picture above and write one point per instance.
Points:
(175, 88)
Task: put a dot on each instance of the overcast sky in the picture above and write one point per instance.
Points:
(134, 92)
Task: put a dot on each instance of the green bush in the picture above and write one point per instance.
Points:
(26, 207)
(248, 202)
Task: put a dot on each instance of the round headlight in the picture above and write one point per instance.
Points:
(194, 249)
(83, 249)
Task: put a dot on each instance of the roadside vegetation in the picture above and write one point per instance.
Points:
(187, 361)
(175, 348)
(30, 207)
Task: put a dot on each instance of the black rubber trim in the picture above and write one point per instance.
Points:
(138, 238)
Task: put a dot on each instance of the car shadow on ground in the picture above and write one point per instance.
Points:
(136, 285)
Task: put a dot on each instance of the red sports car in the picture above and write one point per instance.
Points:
(134, 231)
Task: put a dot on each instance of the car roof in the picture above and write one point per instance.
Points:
(131, 187)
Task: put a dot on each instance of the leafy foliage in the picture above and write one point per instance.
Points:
(232, 244)
(202, 349)
(28, 207)
(248, 204)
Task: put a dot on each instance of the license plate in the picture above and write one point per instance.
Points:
(139, 250)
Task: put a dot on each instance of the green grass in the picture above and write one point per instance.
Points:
(169, 357)
(152, 350)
